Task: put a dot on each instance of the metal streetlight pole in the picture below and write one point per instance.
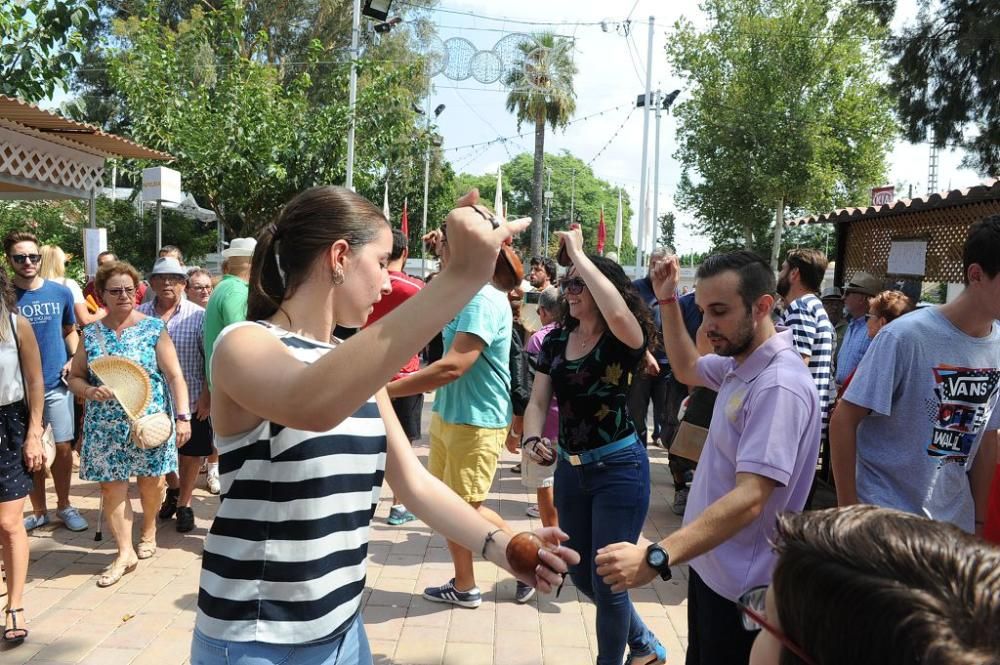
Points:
(656, 171)
(427, 178)
(645, 152)
(352, 95)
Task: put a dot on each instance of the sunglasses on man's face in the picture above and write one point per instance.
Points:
(22, 258)
(573, 285)
(754, 613)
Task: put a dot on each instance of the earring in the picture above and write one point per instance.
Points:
(338, 277)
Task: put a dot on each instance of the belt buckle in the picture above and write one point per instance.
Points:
(575, 460)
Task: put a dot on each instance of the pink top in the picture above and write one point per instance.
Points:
(534, 345)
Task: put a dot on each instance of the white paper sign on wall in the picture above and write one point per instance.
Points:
(908, 257)
(95, 241)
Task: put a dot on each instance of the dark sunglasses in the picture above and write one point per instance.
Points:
(22, 258)
(572, 285)
(751, 605)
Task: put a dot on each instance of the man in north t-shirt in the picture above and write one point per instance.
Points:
(909, 432)
(408, 408)
(49, 308)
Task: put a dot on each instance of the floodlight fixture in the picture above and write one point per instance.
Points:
(376, 9)
(439, 110)
(668, 100)
(386, 26)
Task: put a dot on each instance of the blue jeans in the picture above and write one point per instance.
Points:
(599, 504)
(350, 649)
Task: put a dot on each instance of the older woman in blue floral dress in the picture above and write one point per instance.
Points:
(109, 456)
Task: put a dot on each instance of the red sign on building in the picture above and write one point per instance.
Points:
(882, 196)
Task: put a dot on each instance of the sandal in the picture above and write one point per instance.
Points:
(656, 657)
(113, 574)
(146, 549)
(9, 635)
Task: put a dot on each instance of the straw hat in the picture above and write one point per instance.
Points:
(128, 380)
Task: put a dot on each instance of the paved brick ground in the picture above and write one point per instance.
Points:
(148, 617)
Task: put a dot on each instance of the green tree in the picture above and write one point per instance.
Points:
(668, 229)
(946, 79)
(784, 113)
(591, 193)
(542, 92)
(249, 134)
(41, 42)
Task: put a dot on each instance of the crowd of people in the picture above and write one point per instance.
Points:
(296, 381)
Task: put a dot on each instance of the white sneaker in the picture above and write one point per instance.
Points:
(532, 511)
(212, 478)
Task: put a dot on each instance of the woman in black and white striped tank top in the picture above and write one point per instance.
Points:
(306, 433)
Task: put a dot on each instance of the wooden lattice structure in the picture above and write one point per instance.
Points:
(46, 156)
(865, 235)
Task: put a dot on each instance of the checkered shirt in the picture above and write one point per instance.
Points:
(185, 330)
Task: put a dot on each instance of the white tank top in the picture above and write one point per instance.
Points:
(11, 389)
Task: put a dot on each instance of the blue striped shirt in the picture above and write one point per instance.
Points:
(852, 349)
(813, 337)
(285, 559)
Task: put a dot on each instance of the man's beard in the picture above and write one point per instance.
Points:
(741, 342)
(784, 286)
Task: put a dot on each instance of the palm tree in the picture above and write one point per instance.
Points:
(541, 90)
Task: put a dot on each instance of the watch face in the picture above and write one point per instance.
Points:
(657, 558)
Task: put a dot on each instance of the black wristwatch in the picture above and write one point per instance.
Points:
(658, 559)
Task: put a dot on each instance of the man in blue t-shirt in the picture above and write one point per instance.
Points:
(472, 409)
(49, 308)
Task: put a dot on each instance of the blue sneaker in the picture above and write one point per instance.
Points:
(32, 522)
(72, 518)
(656, 656)
(449, 594)
(400, 515)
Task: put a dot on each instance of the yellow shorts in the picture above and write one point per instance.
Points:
(464, 457)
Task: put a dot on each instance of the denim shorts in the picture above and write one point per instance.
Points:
(351, 648)
(59, 413)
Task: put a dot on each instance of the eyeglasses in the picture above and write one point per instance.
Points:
(26, 258)
(572, 285)
(751, 604)
(121, 291)
(207, 287)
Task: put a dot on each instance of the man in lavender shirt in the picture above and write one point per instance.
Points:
(758, 461)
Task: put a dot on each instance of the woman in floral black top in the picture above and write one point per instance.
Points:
(602, 477)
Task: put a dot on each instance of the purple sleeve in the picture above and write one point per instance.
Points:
(777, 421)
(712, 369)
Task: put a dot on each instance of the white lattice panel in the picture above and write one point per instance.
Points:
(45, 164)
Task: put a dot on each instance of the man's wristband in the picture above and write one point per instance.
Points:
(516, 435)
(667, 301)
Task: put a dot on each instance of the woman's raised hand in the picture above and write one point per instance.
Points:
(473, 244)
(664, 275)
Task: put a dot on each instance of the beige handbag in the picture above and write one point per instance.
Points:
(689, 441)
(133, 389)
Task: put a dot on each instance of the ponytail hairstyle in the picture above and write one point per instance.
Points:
(614, 273)
(305, 228)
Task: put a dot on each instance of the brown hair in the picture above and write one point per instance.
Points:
(306, 227)
(812, 265)
(109, 270)
(891, 305)
(15, 237)
(874, 586)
